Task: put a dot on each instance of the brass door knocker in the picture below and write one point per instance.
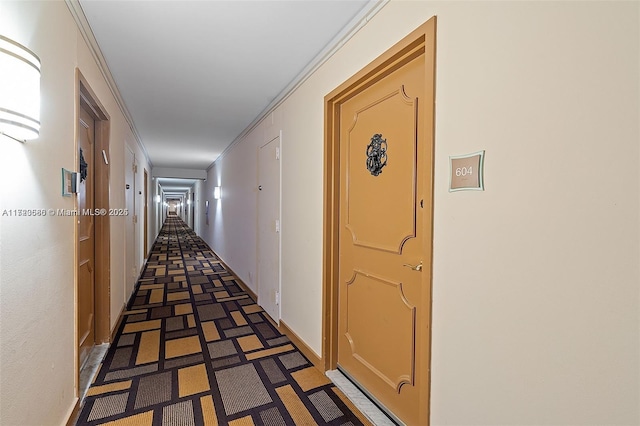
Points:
(376, 154)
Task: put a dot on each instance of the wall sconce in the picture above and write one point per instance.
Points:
(19, 91)
(216, 192)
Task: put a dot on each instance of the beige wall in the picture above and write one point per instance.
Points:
(536, 279)
(37, 341)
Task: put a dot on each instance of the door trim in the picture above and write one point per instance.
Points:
(422, 40)
(87, 99)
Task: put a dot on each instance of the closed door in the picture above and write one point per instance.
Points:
(130, 261)
(384, 256)
(86, 236)
(145, 214)
(269, 228)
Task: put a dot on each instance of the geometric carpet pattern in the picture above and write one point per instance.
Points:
(194, 349)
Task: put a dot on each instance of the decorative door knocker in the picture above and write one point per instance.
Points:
(83, 167)
(376, 154)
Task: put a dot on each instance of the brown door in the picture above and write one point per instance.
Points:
(86, 236)
(384, 257)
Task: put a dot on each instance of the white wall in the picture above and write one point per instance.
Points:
(232, 229)
(37, 299)
(536, 279)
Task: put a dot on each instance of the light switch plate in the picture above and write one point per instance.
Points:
(467, 172)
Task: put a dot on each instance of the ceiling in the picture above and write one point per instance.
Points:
(194, 74)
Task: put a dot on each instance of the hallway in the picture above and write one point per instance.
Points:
(531, 277)
(193, 348)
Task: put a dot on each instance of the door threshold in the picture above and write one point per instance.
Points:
(90, 368)
(363, 401)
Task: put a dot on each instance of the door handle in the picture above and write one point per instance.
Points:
(417, 267)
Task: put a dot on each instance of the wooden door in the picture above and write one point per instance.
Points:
(86, 236)
(269, 228)
(384, 236)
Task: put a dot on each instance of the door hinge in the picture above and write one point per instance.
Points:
(277, 225)
(277, 153)
(135, 218)
(135, 168)
(277, 297)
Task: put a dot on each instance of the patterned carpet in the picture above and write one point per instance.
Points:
(194, 349)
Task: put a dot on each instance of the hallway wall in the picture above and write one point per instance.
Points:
(37, 291)
(535, 279)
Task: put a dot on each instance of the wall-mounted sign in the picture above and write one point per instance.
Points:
(467, 172)
(68, 183)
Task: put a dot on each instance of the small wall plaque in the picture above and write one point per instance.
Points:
(68, 183)
(467, 172)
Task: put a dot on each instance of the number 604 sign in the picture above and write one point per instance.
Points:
(467, 172)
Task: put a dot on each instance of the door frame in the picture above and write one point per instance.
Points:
(423, 39)
(87, 99)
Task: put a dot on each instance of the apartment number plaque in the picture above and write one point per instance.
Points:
(467, 172)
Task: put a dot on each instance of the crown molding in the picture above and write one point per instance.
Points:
(355, 25)
(87, 34)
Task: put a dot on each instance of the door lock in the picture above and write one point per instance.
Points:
(417, 267)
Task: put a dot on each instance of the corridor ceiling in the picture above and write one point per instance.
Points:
(194, 74)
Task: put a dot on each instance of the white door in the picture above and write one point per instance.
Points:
(130, 189)
(269, 228)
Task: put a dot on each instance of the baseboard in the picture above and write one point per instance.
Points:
(240, 283)
(297, 341)
(75, 411)
(304, 348)
(117, 326)
(243, 286)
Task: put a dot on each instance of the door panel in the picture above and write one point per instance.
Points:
(86, 237)
(382, 230)
(392, 317)
(268, 224)
(394, 190)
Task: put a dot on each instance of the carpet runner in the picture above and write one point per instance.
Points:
(194, 349)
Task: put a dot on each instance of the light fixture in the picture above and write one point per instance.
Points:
(216, 192)
(157, 198)
(19, 91)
